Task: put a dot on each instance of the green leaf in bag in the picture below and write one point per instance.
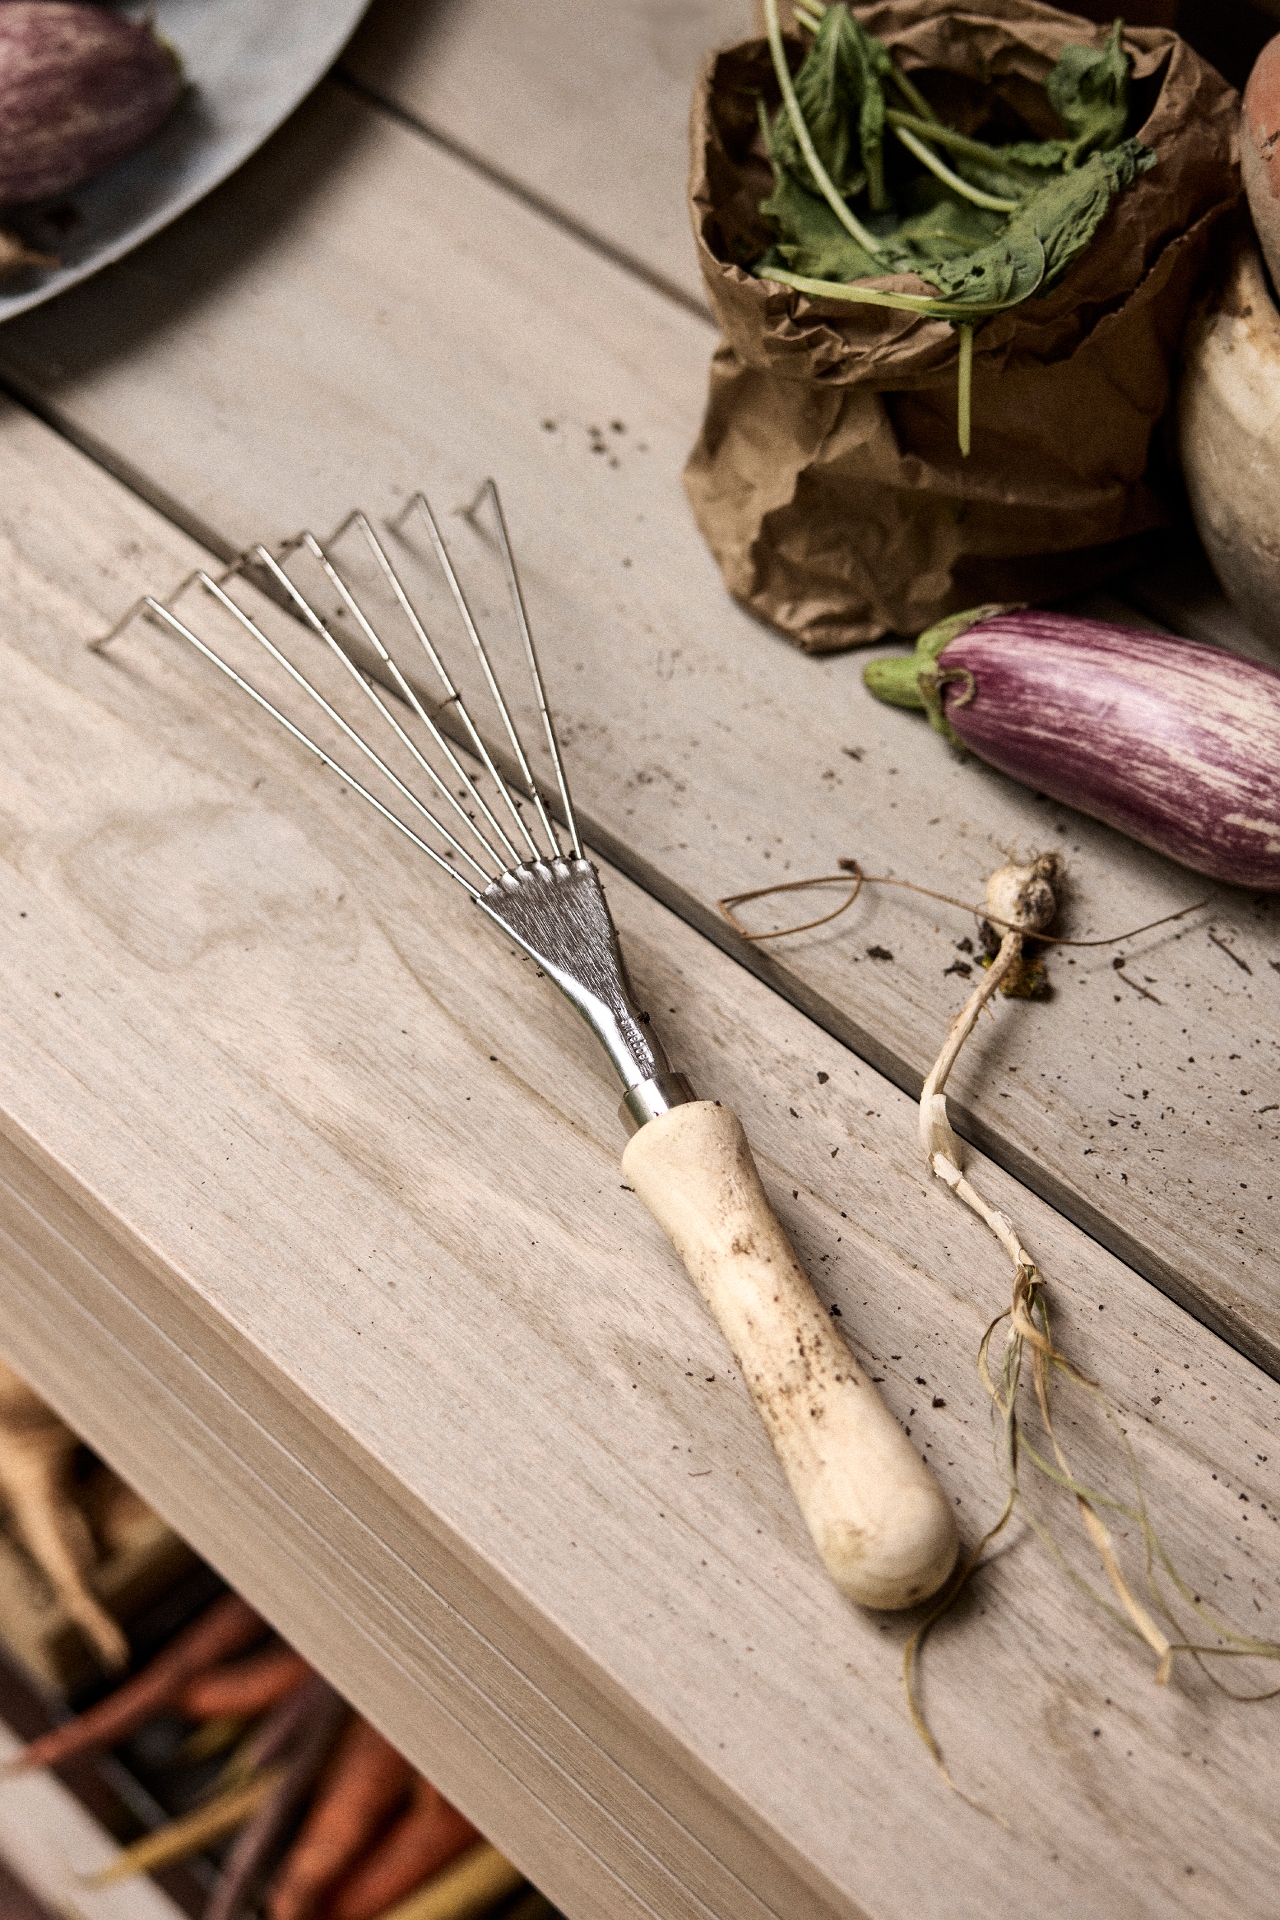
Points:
(1053, 227)
(840, 94)
(816, 243)
(1089, 91)
(983, 252)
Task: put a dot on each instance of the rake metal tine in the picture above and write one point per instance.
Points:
(371, 693)
(410, 693)
(148, 604)
(513, 581)
(526, 772)
(453, 695)
(155, 610)
(251, 627)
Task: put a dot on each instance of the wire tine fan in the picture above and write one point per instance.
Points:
(355, 675)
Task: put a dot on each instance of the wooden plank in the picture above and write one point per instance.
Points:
(363, 1310)
(585, 109)
(357, 313)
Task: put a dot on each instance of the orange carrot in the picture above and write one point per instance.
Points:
(362, 1785)
(222, 1629)
(241, 1688)
(317, 1714)
(425, 1838)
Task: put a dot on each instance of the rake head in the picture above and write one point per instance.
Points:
(327, 638)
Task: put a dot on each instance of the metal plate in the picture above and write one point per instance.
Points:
(248, 66)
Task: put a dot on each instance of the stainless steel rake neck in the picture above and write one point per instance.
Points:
(556, 912)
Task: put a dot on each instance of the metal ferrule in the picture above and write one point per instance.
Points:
(652, 1098)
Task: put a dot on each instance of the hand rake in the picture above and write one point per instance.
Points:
(398, 730)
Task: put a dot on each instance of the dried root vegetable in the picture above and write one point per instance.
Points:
(1020, 908)
(226, 1627)
(426, 1837)
(363, 1784)
(318, 1725)
(36, 1451)
(1020, 900)
(241, 1689)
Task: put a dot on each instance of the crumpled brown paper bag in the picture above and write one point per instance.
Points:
(827, 479)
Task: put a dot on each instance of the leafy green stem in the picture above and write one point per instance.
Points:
(964, 405)
(848, 220)
(944, 136)
(907, 303)
(930, 305)
(808, 14)
(909, 91)
(943, 172)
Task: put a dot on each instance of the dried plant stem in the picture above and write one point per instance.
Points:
(316, 1726)
(853, 879)
(208, 1741)
(964, 415)
(942, 1150)
(1026, 897)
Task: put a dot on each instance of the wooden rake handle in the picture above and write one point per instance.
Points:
(878, 1517)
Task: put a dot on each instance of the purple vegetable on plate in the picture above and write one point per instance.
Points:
(1176, 744)
(80, 88)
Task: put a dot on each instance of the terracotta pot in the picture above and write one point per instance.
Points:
(1229, 437)
(1260, 150)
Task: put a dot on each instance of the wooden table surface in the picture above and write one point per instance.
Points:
(310, 1212)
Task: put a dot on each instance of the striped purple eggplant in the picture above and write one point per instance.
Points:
(80, 88)
(1176, 744)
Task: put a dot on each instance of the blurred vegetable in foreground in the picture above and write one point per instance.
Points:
(35, 1470)
(374, 1833)
(81, 88)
